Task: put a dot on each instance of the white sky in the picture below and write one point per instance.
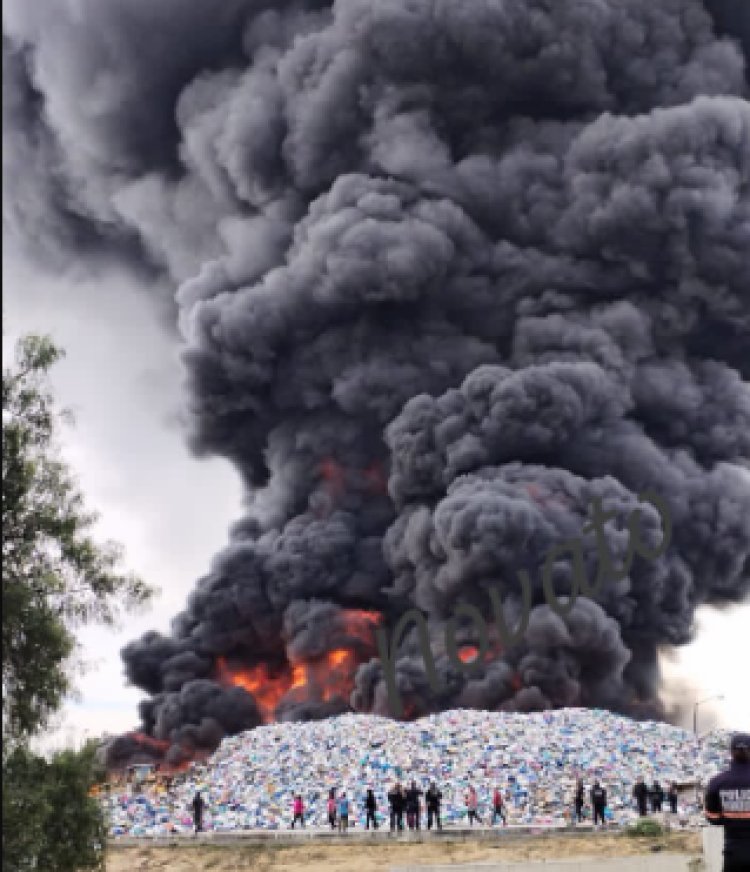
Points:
(121, 377)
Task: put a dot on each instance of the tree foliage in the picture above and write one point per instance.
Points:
(49, 820)
(55, 576)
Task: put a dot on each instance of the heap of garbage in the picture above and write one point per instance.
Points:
(252, 778)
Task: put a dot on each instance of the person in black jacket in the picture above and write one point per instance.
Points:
(727, 804)
(198, 806)
(640, 793)
(598, 802)
(396, 803)
(434, 798)
(578, 801)
(657, 797)
(371, 807)
(672, 797)
(412, 806)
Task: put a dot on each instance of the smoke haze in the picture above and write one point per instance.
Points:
(445, 273)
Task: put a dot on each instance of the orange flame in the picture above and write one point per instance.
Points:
(266, 689)
(326, 677)
(468, 653)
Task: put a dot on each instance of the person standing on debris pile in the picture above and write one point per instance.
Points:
(657, 797)
(332, 808)
(578, 801)
(343, 809)
(198, 807)
(498, 810)
(471, 806)
(727, 804)
(371, 807)
(640, 794)
(298, 810)
(672, 797)
(433, 798)
(396, 802)
(413, 813)
(598, 802)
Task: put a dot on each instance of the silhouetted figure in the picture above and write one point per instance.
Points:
(198, 807)
(433, 797)
(396, 802)
(598, 802)
(578, 801)
(657, 797)
(672, 797)
(371, 807)
(640, 794)
(413, 813)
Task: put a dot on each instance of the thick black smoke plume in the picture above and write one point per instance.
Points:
(447, 271)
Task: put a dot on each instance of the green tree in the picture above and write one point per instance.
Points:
(49, 820)
(56, 577)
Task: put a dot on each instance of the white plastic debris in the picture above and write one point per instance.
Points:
(251, 780)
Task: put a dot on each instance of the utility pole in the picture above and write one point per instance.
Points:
(695, 710)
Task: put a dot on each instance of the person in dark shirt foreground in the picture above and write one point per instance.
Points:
(727, 804)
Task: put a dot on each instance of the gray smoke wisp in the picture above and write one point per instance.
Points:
(446, 273)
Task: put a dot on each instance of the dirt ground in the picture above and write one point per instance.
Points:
(341, 857)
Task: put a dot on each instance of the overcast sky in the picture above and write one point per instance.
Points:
(121, 377)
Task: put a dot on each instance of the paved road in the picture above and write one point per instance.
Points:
(655, 863)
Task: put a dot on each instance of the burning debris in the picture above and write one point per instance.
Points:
(447, 273)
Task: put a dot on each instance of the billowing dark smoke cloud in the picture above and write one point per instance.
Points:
(446, 272)
(732, 18)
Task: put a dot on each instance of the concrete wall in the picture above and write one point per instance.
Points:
(713, 847)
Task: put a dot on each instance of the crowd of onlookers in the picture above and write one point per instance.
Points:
(406, 806)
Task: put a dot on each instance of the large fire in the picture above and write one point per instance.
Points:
(323, 678)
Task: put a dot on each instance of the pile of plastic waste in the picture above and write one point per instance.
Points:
(251, 780)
